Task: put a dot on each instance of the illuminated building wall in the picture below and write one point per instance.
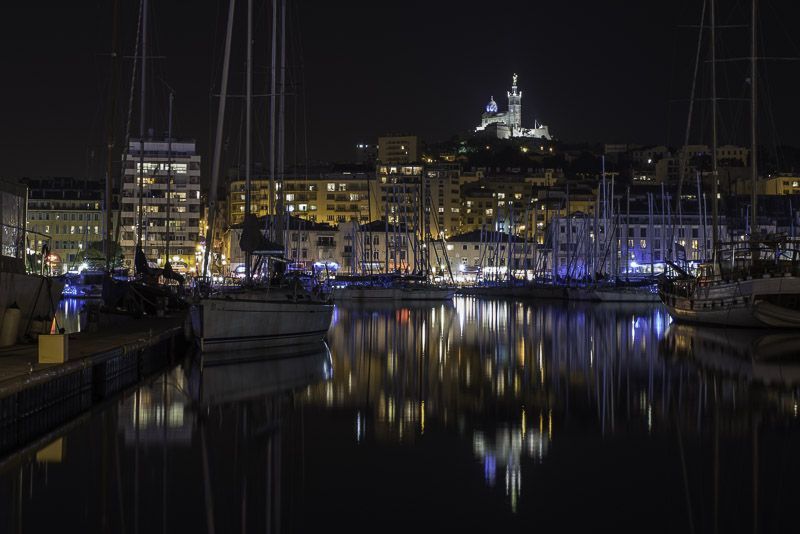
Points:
(68, 211)
(185, 202)
(330, 198)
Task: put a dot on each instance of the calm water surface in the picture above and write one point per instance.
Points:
(473, 416)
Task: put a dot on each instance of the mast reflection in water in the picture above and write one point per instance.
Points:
(473, 415)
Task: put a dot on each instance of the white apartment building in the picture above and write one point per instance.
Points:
(161, 159)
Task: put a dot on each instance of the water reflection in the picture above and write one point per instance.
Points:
(484, 414)
(68, 314)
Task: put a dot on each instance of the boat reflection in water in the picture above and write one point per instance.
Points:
(475, 414)
(767, 357)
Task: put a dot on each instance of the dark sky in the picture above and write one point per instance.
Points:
(613, 71)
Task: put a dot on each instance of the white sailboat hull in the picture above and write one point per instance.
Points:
(746, 303)
(626, 295)
(228, 324)
(356, 293)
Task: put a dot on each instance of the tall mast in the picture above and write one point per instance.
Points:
(140, 228)
(112, 113)
(281, 128)
(569, 237)
(682, 156)
(627, 232)
(169, 173)
(753, 147)
(223, 96)
(248, 103)
(272, 89)
(714, 170)
(596, 229)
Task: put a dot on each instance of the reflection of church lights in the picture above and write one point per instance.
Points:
(490, 469)
(359, 428)
(422, 417)
(541, 362)
(506, 451)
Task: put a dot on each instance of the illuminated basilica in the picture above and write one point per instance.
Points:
(508, 124)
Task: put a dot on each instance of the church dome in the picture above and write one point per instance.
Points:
(491, 107)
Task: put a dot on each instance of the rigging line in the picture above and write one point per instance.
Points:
(682, 160)
(302, 68)
(768, 108)
(128, 126)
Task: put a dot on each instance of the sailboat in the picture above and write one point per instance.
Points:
(277, 312)
(388, 286)
(754, 283)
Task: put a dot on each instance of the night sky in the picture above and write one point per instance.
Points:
(611, 71)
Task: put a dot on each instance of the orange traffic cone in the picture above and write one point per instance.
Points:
(53, 327)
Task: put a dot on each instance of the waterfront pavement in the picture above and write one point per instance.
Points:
(20, 362)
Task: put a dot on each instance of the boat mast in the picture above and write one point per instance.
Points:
(682, 155)
(282, 131)
(595, 227)
(627, 232)
(569, 238)
(223, 95)
(248, 104)
(112, 114)
(140, 228)
(714, 168)
(126, 143)
(753, 148)
(169, 173)
(272, 89)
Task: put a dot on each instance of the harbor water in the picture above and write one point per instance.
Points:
(470, 415)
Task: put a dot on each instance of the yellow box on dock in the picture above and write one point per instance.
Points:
(53, 348)
(52, 453)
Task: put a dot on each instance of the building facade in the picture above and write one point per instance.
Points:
(149, 163)
(67, 213)
(328, 197)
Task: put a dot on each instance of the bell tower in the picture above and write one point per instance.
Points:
(514, 107)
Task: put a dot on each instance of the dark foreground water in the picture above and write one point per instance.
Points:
(472, 416)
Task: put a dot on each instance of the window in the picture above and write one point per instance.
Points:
(331, 187)
(643, 243)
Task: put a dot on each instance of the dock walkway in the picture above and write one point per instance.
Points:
(36, 397)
